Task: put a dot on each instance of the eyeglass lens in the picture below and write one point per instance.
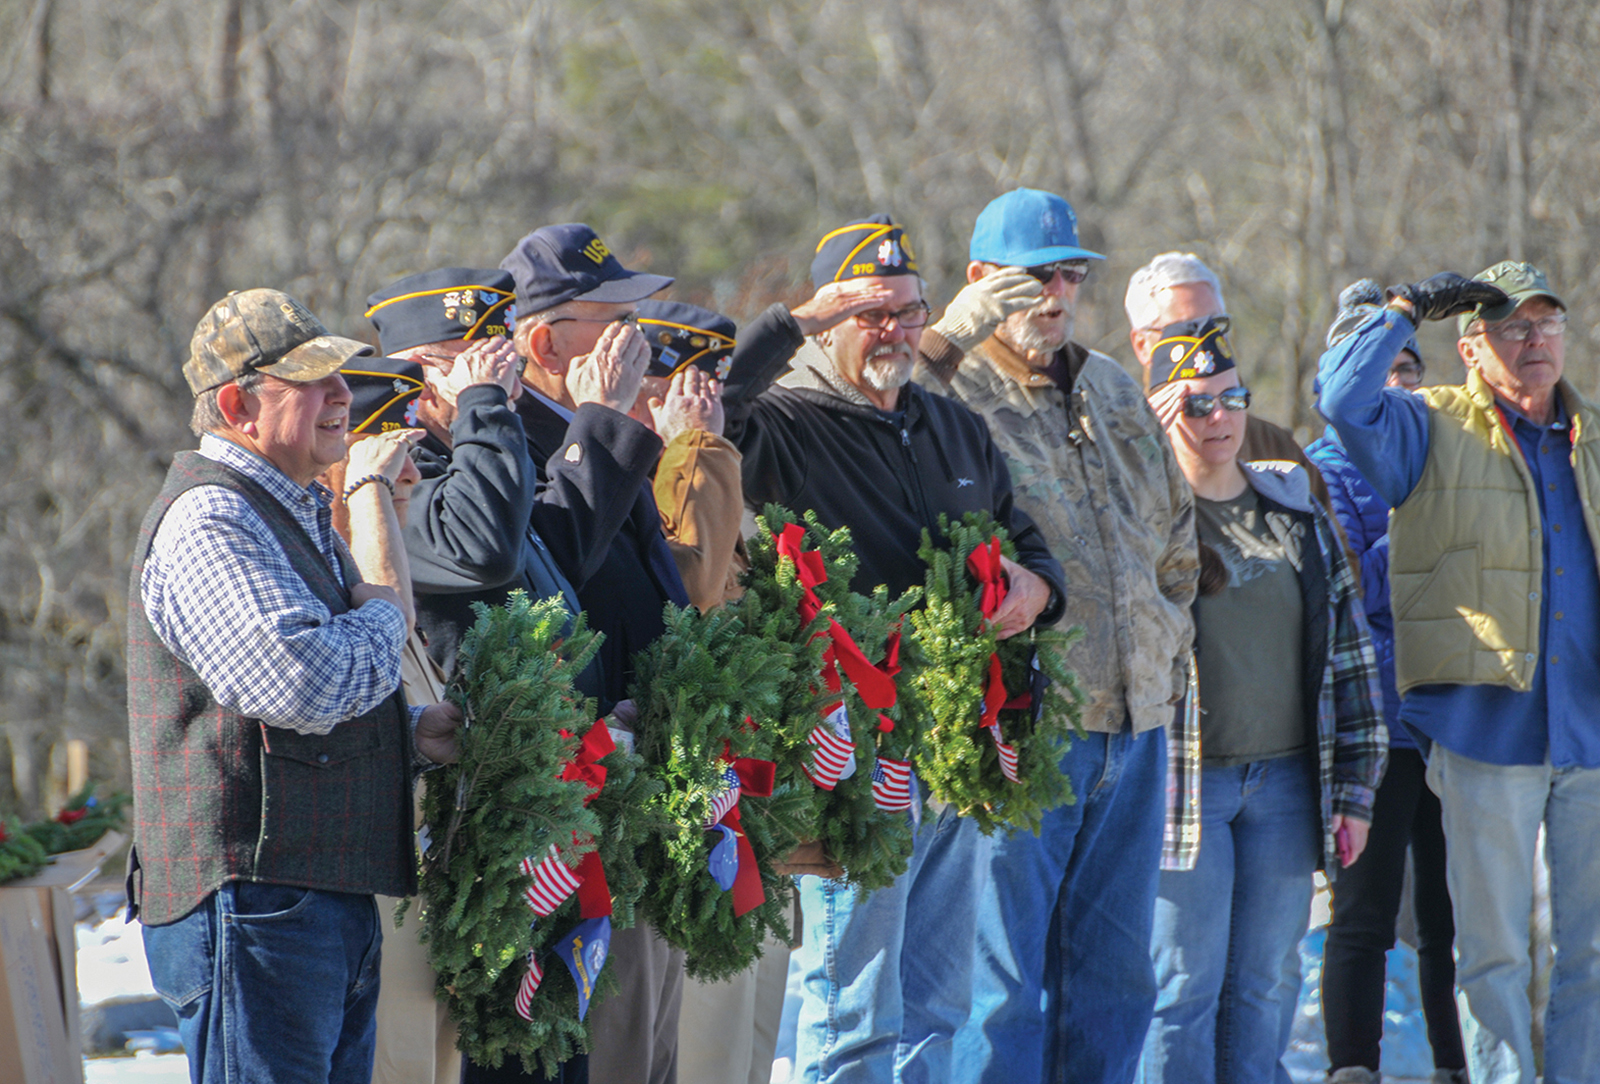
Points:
(911, 316)
(1201, 406)
(1074, 271)
(1516, 331)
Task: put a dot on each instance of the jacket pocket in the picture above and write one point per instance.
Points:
(1442, 594)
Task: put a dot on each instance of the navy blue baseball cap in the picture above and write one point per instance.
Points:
(1027, 228)
(557, 264)
(681, 335)
(442, 306)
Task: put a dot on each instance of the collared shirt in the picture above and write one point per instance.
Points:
(1386, 436)
(221, 595)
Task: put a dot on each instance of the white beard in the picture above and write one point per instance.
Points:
(1022, 335)
(887, 373)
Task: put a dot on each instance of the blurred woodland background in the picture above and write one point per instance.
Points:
(155, 154)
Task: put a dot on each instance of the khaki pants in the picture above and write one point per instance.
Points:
(416, 1038)
(634, 1032)
(728, 1031)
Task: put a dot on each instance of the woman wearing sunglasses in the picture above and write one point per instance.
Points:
(1291, 732)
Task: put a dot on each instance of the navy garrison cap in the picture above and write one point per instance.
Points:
(865, 248)
(681, 335)
(383, 394)
(441, 306)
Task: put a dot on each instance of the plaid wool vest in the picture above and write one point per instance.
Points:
(221, 797)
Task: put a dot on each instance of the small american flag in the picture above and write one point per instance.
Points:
(550, 882)
(1008, 754)
(527, 988)
(891, 784)
(726, 798)
(835, 754)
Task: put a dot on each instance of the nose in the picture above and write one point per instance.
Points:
(1056, 284)
(409, 472)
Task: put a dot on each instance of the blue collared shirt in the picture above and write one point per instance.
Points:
(1385, 432)
(221, 595)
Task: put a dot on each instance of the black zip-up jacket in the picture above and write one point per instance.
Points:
(815, 442)
(468, 533)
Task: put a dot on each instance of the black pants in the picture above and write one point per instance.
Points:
(1366, 901)
(575, 1070)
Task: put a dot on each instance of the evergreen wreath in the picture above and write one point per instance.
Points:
(82, 821)
(872, 844)
(516, 792)
(1038, 699)
(710, 691)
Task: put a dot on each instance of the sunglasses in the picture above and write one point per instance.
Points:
(1074, 271)
(914, 315)
(1201, 406)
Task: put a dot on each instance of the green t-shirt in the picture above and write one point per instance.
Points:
(1250, 635)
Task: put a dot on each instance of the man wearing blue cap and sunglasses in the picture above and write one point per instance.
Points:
(1091, 467)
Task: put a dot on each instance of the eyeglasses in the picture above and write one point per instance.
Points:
(912, 316)
(626, 318)
(1074, 271)
(1516, 331)
(1201, 406)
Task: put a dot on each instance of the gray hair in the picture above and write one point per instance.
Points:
(207, 416)
(1167, 270)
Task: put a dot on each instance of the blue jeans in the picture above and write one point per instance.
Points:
(272, 983)
(886, 979)
(1492, 814)
(1227, 933)
(1062, 983)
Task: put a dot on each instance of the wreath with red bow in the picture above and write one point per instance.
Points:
(1004, 711)
(530, 840)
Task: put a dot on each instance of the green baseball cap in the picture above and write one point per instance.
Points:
(264, 331)
(1520, 281)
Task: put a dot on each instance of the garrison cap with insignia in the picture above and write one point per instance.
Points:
(681, 335)
(383, 394)
(1520, 281)
(557, 264)
(263, 331)
(1191, 350)
(442, 306)
(865, 248)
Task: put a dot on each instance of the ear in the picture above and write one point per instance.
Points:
(1144, 340)
(533, 341)
(239, 408)
(975, 271)
(1468, 347)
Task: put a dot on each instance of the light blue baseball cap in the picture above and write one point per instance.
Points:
(1026, 228)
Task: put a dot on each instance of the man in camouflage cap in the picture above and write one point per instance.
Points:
(272, 752)
(1495, 485)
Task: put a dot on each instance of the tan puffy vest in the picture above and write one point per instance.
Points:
(1465, 552)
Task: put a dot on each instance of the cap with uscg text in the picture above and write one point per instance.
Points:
(1026, 228)
(266, 331)
(383, 394)
(1520, 281)
(867, 247)
(442, 306)
(681, 335)
(1191, 350)
(557, 264)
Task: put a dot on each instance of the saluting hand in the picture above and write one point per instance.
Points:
(693, 401)
(610, 374)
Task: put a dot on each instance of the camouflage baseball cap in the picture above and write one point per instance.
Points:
(266, 331)
(1520, 281)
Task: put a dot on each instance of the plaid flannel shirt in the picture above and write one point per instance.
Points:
(223, 598)
(1352, 740)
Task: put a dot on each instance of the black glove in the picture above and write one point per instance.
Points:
(1447, 294)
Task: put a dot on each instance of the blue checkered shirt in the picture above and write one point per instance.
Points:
(223, 598)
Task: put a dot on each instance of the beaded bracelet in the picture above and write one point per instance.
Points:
(363, 480)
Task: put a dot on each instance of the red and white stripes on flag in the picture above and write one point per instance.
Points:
(891, 785)
(550, 882)
(1008, 754)
(726, 798)
(834, 755)
(527, 988)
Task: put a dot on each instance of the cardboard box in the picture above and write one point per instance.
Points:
(40, 1038)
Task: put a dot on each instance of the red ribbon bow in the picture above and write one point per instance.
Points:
(874, 685)
(984, 563)
(71, 816)
(756, 778)
(594, 894)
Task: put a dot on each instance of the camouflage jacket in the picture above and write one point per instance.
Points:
(1097, 475)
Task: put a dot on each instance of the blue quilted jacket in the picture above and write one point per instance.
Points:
(1365, 519)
